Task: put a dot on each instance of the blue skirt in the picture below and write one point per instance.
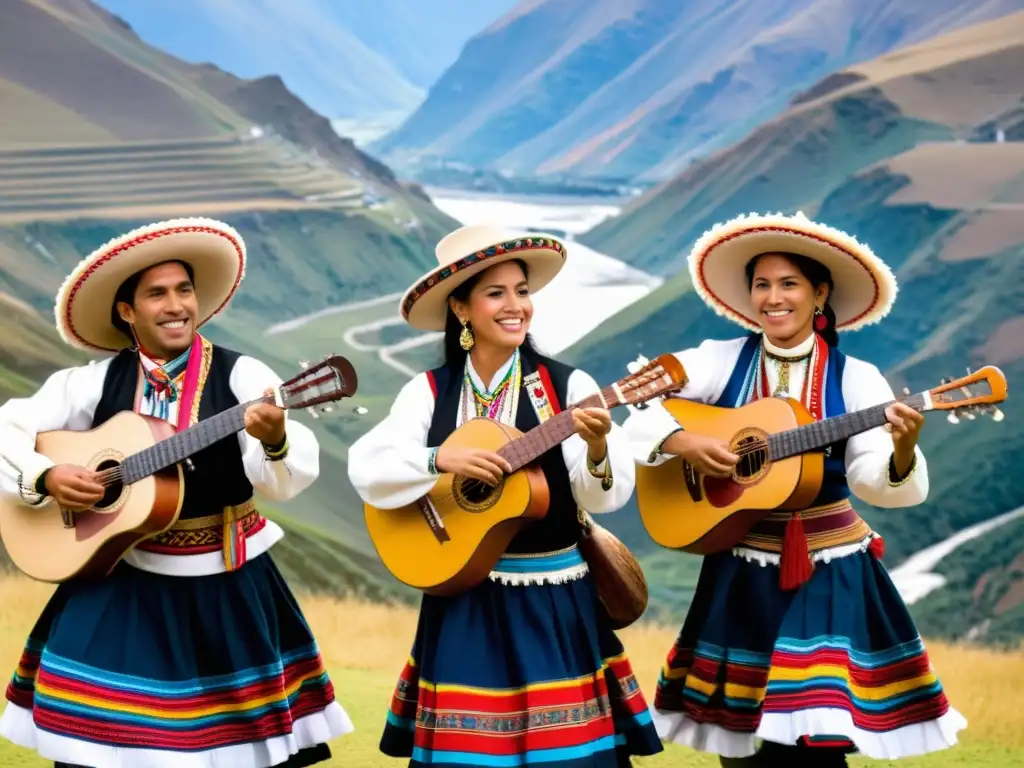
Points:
(153, 670)
(837, 662)
(521, 669)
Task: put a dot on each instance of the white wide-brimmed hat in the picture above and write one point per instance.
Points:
(214, 251)
(468, 251)
(864, 288)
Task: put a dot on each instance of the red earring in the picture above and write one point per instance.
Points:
(820, 321)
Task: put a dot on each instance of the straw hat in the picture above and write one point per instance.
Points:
(470, 250)
(864, 287)
(213, 249)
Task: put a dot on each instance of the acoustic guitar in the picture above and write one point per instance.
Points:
(451, 538)
(139, 460)
(781, 462)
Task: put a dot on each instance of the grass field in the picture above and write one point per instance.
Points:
(365, 646)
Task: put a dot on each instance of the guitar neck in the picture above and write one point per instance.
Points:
(811, 437)
(184, 444)
(552, 432)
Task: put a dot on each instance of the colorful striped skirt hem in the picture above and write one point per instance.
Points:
(141, 669)
(515, 672)
(838, 664)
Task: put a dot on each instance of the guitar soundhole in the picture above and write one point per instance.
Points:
(472, 495)
(115, 487)
(752, 448)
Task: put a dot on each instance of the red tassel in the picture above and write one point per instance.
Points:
(877, 547)
(795, 564)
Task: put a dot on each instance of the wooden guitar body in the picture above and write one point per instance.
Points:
(682, 509)
(478, 521)
(43, 546)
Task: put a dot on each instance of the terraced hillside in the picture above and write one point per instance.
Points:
(166, 179)
(876, 153)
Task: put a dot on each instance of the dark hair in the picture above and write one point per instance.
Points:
(818, 274)
(126, 293)
(454, 354)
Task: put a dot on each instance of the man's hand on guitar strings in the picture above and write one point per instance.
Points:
(265, 422)
(73, 488)
(486, 466)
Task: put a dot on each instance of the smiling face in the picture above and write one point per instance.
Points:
(784, 299)
(498, 307)
(164, 310)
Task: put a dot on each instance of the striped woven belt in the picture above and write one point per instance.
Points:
(827, 526)
(225, 531)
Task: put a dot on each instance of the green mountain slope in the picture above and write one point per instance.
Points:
(984, 589)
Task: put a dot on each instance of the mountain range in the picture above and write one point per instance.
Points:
(639, 89)
(902, 124)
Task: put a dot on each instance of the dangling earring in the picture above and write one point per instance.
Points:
(820, 321)
(466, 340)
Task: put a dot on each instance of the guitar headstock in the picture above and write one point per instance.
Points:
(660, 376)
(328, 381)
(969, 396)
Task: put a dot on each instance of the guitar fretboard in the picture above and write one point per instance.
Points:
(552, 432)
(180, 446)
(818, 434)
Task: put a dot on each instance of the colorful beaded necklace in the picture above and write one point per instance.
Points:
(501, 403)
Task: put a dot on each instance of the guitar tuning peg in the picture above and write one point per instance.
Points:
(997, 415)
(327, 408)
(952, 419)
(969, 415)
(359, 410)
(303, 364)
(906, 390)
(312, 412)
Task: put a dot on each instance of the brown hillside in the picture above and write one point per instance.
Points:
(852, 123)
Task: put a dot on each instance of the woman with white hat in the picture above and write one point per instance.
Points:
(797, 636)
(524, 667)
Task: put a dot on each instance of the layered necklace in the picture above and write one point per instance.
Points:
(499, 404)
(783, 368)
(162, 384)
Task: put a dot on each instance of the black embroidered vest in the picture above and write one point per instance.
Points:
(218, 478)
(560, 527)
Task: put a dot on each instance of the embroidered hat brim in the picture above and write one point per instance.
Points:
(213, 249)
(469, 251)
(864, 286)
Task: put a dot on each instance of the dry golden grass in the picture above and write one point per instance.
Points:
(365, 645)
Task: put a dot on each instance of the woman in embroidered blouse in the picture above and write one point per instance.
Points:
(524, 665)
(797, 636)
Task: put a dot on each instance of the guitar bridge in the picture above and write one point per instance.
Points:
(692, 481)
(68, 517)
(430, 514)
